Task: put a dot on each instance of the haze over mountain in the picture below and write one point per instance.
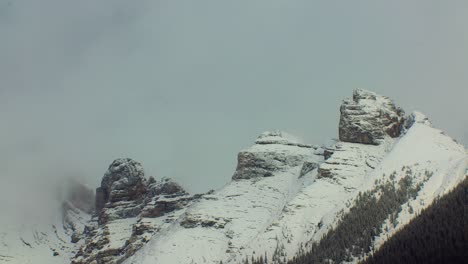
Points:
(101, 80)
(183, 86)
(288, 200)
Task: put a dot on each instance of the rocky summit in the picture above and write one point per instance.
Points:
(367, 118)
(284, 198)
(130, 209)
(122, 190)
(273, 151)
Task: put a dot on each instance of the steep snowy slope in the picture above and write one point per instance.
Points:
(129, 210)
(432, 158)
(222, 224)
(278, 213)
(307, 211)
(423, 165)
(26, 242)
(284, 197)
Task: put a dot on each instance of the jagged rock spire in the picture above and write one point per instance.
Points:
(123, 181)
(126, 202)
(368, 117)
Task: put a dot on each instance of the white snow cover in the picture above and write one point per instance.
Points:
(422, 149)
(283, 212)
(279, 137)
(26, 243)
(260, 215)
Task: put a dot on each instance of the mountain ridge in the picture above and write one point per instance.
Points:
(284, 196)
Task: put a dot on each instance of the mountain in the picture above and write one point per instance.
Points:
(53, 240)
(341, 201)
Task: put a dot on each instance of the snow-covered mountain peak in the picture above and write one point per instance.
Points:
(273, 152)
(368, 118)
(359, 94)
(129, 210)
(283, 197)
(121, 176)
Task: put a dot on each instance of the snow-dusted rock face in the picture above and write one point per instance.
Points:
(130, 209)
(164, 197)
(123, 181)
(416, 118)
(367, 118)
(273, 152)
(223, 225)
(284, 197)
(349, 162)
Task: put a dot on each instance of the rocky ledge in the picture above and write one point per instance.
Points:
(367, 118)
(273, 151)
(130, 209)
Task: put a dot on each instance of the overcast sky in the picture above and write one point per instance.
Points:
(183, 86)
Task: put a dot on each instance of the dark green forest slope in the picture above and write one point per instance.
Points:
(355, 232)
(438, 235)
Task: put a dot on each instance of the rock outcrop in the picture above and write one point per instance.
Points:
(273, 151)
(307, 167)
(284, 197)
(123, 182)
(129, 210)
(347, 163)
(367, 118)
(416, 117)
(164, 197)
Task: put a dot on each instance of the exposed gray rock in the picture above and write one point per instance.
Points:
(165, 187)
(164, 197)
(194, 220)
(416, 117)
(279, 137)
(307, 167)
(122, 191)
(253, 165)
(327, 153)
(367, 118)
(122, 181)
(273, 152)
(126, 200)
(350, 161)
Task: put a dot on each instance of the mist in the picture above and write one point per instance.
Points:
(183, 86)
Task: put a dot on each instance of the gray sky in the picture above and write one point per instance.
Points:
(183, 86)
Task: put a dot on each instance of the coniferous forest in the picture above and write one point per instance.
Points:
(354, 234)
(438, 235)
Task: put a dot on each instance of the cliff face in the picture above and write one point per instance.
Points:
(273, 152)
(286, 195)
(367, 118)
(130, 209)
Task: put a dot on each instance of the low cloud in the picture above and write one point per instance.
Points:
(183, 86)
